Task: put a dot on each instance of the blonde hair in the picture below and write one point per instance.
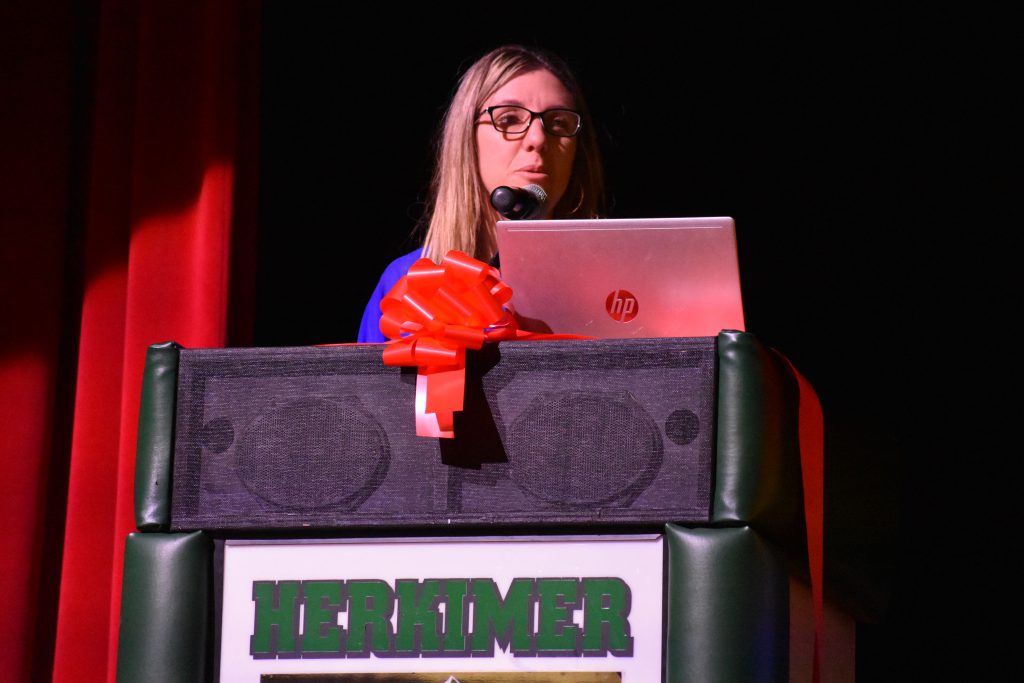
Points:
(459, 215)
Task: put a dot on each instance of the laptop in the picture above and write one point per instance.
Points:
(615, 278)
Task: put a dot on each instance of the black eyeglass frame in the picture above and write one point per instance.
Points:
(533, 115)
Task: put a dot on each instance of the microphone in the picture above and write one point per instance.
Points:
(517, 203)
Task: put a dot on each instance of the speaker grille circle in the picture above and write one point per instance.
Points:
(299, 455)
(584, 447)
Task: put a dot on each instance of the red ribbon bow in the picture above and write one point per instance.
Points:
(432, 315)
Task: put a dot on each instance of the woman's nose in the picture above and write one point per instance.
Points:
(535, 135)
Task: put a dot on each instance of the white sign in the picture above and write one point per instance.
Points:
(445, 606)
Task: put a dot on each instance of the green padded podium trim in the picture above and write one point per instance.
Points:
(154, 452)
(165, 599)
(728, 607)
(757, 470)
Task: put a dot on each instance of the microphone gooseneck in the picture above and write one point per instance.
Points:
(518, 203)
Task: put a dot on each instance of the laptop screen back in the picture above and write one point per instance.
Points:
(613, 278)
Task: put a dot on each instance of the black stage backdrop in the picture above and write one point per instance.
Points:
(849, 150)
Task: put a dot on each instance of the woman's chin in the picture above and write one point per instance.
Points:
(529, 178)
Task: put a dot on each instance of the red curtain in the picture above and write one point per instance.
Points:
(36, 91)
(159, 247)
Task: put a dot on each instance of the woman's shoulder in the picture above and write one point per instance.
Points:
(369, 328)
(400, 266)
(396, 270)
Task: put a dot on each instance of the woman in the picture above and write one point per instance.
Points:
(517, 118)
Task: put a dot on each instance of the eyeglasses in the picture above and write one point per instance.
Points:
(507, 118)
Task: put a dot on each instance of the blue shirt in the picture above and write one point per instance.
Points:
(369, 328)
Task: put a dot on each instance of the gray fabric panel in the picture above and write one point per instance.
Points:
(553, 432)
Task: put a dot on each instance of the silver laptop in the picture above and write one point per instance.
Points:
(611, 278)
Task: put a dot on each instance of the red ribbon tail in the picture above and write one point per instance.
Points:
(440, 393)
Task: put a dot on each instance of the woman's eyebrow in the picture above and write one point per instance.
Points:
(508, 102)
(518, 103)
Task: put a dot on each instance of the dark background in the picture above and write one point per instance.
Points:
(859, 157)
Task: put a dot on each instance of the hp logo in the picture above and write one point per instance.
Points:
(622, 306)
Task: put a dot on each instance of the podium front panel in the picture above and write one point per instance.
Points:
(552, 433)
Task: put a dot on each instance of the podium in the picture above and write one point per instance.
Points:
(627, 510)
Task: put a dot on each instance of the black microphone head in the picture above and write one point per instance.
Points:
(517, 203)
(504, 199)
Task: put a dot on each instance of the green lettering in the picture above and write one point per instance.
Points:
(605, 617)
(419, 625)
(455, 591)
(370, 606)
(508, 621)
(556, 632)
(320, 630)
(277, 616)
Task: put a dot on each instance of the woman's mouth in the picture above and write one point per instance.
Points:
(533, 172)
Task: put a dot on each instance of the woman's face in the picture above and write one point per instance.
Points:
(534, 157)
